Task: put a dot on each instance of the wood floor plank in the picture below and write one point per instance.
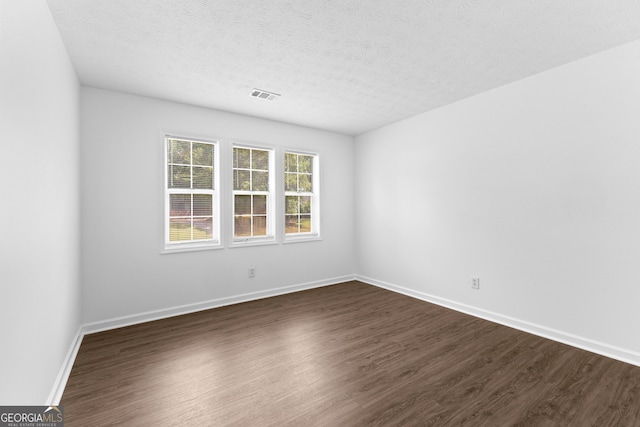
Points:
(343, 355)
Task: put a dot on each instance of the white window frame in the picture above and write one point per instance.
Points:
(192, 245)
(314, 233)
(271, 232)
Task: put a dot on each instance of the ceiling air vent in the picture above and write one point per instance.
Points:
(263, 94)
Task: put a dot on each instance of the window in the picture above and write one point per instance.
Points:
(252, 194)
(191, 197)
(301, 194)
(255, 211)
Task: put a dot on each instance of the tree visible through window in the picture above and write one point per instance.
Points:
(190, 191)
(299, 193)
(192, 218)
(251, 193)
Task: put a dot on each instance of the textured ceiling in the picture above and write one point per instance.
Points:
(345, 65)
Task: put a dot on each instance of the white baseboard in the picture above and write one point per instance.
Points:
(119, 322)
(65, 370)
(587, 344)
(164, 313)
(603, 349)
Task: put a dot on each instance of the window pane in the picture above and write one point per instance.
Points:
(202, 154)
(250, 175)
(304, 183)
(260, 160)
(305, 204)
(179, 177)
(242, 205)
(241, 180)
(259, 205)
(290, 182)
(259, 225)
(298, 180)
(305, 223)
(202, 205)
(241, 158)
(305, 164)
(291, 203)
(260, 181)
(202, 228)
(190, 169)
(242, 226)
(290, 162)
(291, 224)
(202, 177)
(179, 229)
(179, 152)
(180, 205)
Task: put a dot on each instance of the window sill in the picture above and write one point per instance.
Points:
(190, 248)
(303, 238)
(253, 242)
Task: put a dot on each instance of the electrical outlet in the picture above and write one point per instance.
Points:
(252, 272)
(475, 283)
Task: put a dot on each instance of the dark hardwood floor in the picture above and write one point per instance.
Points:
(343, 355)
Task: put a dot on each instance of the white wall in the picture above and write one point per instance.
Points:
(39, 203)
(534, 187)
(123, 271)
